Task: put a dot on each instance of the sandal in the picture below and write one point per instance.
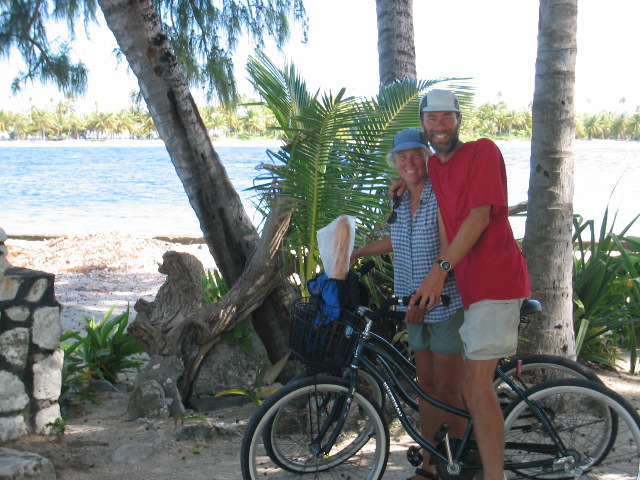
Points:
(425, 474)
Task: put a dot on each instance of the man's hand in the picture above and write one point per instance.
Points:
(397, 188)
(427, 295)
(415, 314)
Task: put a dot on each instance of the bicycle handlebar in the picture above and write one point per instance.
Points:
(365, 268)
(382, 311)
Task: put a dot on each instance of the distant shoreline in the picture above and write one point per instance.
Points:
(231, 142)
(175, 239)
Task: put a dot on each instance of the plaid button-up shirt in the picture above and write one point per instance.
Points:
(416, 246)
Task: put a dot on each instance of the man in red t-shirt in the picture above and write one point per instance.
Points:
(470, 184)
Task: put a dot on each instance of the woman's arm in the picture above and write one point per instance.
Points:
(374, 249)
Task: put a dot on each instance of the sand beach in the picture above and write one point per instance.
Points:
(98, 271)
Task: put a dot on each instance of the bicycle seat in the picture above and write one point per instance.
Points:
(530, 306)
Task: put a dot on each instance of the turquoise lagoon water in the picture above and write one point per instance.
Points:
(80, 188)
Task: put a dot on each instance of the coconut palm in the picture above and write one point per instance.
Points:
(5, 120)
(634, 125)
(42, 121)
(547, 240)
(620, 126)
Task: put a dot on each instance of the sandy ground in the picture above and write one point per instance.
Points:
(97, 272)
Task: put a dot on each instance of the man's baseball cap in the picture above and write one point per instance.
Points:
(439, 101)
(407, 139)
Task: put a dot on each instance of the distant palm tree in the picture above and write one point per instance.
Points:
(252, 121)
(593, 126)
(620, 126)
(634, 125)
(41, 120)
(19, 126)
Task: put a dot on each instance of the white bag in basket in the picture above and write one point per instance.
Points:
(335, 242)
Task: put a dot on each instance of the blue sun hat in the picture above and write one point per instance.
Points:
(407, 139)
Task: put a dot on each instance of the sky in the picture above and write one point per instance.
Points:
(492, 41)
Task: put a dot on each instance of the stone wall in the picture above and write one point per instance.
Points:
(30, 357)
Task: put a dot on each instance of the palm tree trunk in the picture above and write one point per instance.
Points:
(227, 229)
(396, 47)
(548, 235)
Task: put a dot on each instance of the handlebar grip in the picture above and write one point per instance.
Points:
(365, 268)
(396, 315)
(444, 299)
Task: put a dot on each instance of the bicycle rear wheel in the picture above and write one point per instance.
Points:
(600, 430)
(281, 438)
(537, 368)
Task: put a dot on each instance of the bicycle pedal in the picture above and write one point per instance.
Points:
(414, 455)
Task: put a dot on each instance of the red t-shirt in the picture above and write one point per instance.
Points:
(495, 268)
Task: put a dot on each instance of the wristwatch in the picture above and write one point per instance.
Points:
(444, 265)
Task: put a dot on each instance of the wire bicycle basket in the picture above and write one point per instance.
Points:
(323, 339)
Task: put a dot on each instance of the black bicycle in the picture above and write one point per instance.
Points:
(525, 370)
(330, 427)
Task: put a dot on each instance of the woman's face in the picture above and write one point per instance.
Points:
(412, 165)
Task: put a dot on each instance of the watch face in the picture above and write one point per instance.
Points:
(446, 266)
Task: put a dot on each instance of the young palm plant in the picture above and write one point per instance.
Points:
(332, 162)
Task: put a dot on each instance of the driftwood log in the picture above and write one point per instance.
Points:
(179, 323)
(519, 208)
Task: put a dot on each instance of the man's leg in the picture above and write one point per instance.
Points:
(489, 332)
(488, 424)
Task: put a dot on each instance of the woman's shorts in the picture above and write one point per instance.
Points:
(441, 337)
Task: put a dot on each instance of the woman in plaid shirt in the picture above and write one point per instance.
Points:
(415, 244)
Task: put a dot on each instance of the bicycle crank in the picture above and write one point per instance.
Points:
(455, 470)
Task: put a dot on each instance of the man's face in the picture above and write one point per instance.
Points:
(442, 130)
(412, 165)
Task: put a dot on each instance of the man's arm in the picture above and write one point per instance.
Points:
(397, 188)
(469, 233)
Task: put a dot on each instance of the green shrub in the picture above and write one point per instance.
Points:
(104, 351)
(240, 335)
(213, 286)
(606, 291)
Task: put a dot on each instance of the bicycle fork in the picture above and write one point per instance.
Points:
(337, 413)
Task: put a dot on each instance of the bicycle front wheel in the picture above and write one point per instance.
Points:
(599, 430)
(282, 439)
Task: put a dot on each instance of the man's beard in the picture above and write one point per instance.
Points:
(449, 147)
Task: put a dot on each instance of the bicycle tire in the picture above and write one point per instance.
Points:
(366, 384)
(290, 417)
(280, 457)
(600, 429)
(536, 368)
